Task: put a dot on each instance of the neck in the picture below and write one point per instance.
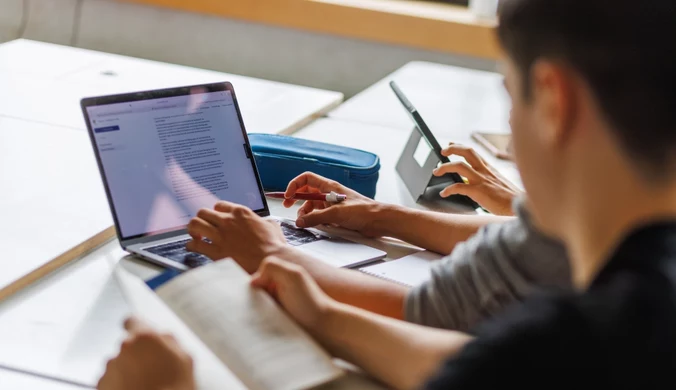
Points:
(602, 225)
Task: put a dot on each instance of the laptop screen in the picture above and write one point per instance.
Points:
(165, 158)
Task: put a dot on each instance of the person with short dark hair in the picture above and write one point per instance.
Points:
(593, 93)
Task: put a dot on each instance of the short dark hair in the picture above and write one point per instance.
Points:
(625, 50)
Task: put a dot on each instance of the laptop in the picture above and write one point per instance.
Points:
(164, 154)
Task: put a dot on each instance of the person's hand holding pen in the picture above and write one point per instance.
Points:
(355, 212)
(329, 197)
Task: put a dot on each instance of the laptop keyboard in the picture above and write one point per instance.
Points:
(176, 250)
(296, 236)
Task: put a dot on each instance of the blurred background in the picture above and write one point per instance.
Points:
(338, 45)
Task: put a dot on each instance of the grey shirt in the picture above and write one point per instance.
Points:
(499, 266)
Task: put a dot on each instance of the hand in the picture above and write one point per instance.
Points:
(237, 232)
(486, 187)
(148, 361)
(295, 290)
(356, 213)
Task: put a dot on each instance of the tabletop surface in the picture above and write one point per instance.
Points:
(43, 82)
(451, 99)
(52, 197)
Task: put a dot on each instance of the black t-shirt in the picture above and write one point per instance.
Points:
(620, 333)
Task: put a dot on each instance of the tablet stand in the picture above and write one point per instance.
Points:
(421, 183)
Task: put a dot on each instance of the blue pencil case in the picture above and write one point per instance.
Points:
(281, 158)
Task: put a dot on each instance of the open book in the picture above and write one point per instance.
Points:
(238, 337)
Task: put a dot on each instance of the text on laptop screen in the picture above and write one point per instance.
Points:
(164, 159)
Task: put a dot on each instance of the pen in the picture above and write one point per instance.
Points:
(331, 197)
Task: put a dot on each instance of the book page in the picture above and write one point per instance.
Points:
(411, 270)
(246, 329)
(210, 373)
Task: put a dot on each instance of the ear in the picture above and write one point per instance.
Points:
(554, 102)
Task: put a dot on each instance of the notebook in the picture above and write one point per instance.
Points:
(239, 337)
(410, 271)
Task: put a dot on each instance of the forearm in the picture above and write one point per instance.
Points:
(400, 354)
(353, 287)
(438, 232)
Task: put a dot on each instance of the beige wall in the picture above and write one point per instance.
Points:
(203, 41)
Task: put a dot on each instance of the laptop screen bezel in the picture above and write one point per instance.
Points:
(159, 94)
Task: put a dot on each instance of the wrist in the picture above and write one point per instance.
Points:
(386, 217)
(283, 252)
(330, 311)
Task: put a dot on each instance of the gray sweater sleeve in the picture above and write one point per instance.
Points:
(497, 267)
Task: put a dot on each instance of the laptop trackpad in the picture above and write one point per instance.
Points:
(341, 253)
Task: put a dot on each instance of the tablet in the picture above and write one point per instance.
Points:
(428, 136)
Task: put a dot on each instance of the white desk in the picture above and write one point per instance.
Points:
(44, 82)
(450, 99)
(67, 324)
(453, 101)
(52, 197)
(18, 381)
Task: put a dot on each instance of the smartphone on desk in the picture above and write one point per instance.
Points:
(499, 145)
